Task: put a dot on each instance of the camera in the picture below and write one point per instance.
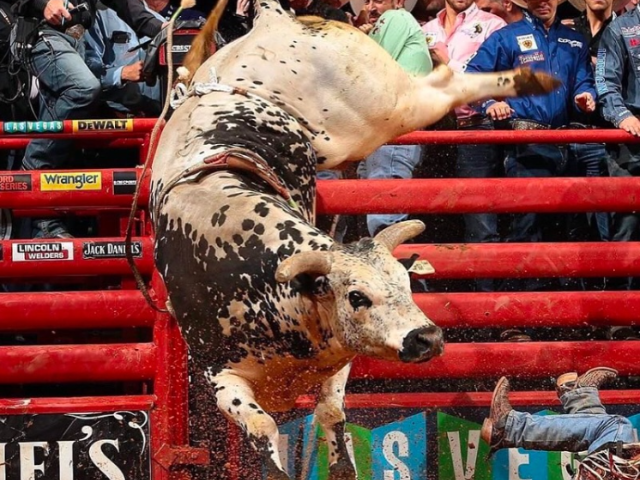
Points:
(76, 13)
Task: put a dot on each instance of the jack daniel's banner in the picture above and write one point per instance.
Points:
(75, 446)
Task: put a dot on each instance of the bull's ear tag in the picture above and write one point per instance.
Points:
(422, 267)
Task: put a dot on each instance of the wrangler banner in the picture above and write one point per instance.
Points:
(70, 181)
(414, 444)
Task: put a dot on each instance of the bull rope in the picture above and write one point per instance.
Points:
(599, 465)
(152, 145)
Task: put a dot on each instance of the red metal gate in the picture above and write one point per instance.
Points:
(150, 355)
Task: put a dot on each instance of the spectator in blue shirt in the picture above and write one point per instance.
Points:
(538, 41)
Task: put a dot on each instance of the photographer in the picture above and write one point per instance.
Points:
(67, 87)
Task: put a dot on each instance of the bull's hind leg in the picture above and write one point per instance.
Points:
(330, 414)
(236, 400)
(444, 89)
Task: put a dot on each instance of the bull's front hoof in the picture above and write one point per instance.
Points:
(343, 469)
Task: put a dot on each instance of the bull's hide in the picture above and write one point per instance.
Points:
(270, 306)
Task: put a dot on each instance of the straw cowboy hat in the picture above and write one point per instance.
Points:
(356, 5)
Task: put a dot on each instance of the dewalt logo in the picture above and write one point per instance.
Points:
(124, 125)
(70, 181)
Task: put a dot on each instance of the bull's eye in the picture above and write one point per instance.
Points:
(358, 299)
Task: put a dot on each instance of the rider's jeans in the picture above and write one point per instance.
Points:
(586, 427)
(389, 161)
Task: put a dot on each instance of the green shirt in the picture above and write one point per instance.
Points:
(400, 34)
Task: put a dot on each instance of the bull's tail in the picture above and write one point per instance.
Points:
(201, 46)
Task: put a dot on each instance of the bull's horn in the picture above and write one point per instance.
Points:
(398, 233)
(304, 262)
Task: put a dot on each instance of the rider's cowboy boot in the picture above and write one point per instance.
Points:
(596, 377)
(493, 427)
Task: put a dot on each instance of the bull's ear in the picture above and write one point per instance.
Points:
(422, 267)
(316, 262)
(321, 287)
(394, 235)
(413, 265)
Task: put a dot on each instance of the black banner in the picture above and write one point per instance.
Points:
(20, 182)
(124, 183)
(82, 446)
(96, 250)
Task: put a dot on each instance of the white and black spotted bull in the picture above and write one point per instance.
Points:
(270, 306)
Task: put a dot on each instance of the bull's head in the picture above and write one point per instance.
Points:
(364, 293)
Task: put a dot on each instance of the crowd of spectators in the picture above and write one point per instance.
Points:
(90, 63)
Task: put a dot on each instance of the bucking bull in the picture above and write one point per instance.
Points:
(270, 306)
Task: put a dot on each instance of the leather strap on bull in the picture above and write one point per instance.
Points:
(235, 158)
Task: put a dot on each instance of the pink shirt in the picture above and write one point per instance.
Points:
(472, 27)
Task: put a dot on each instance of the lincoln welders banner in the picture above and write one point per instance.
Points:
(414, 444)
(95, 446)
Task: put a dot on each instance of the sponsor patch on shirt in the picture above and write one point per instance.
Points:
(531, 57)
(431, 39)
(527, 42)
(630, 31)
(474, 30)
(572, 43)
(634, 42)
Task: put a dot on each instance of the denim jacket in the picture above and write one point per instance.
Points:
(618, 68)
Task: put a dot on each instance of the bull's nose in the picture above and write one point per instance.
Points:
(422, 344)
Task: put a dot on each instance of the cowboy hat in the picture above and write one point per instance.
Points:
(356, 5)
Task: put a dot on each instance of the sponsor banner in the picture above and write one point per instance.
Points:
(31, 127)
(70, 446)
(25, 252)
(124, 183)
(119, 125)
(1, 256)
(98, 250)
(417, 444)
(20, 182)
(387, 444)
(70, 181)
